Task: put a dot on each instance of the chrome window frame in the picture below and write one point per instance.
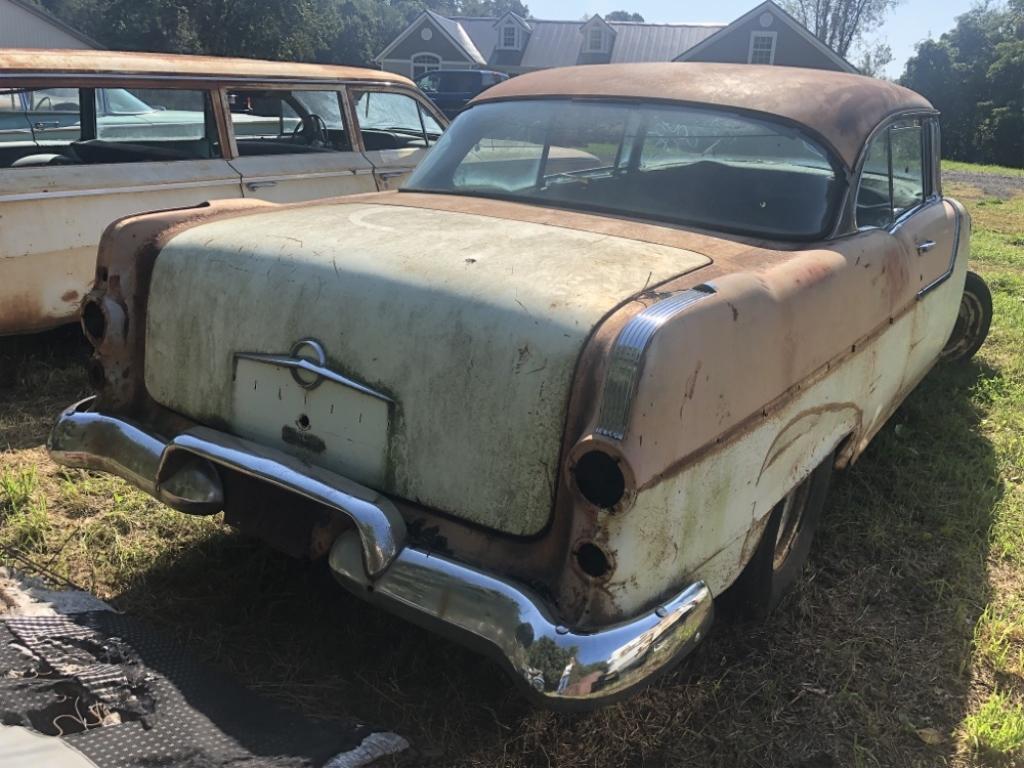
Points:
(847, 224)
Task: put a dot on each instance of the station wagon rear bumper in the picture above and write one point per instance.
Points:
(560, 666)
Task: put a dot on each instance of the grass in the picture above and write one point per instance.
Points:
(903, 645)
(998, 170)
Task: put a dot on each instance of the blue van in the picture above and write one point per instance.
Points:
(451, 89)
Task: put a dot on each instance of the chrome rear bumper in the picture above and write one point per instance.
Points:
(558, 665)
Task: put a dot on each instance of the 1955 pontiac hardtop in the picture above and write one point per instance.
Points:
(591, 367)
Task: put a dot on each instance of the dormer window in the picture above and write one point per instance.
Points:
(762, 48)
(510, 37)
(595, 40)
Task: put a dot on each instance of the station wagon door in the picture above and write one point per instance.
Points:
(292, 143)
(396, 130)
(61, 185)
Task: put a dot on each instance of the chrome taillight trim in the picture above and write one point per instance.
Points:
(627, 357)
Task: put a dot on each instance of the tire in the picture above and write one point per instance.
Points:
(785, 545)
(972, 322)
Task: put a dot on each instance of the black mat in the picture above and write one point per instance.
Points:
(59, 672)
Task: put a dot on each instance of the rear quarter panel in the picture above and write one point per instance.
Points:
(744, 393)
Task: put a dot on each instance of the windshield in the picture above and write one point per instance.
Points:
(121, 102)
(685, 165)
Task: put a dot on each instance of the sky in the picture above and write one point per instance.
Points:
(909, 23)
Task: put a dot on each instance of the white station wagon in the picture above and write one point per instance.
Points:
(87, 137)
(590, 368)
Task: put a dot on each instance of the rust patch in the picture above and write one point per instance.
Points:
(69, 296)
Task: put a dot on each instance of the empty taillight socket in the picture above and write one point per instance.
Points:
(601, 476)
(104, 320)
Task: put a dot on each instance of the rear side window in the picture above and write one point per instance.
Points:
(89, 126)
(272, 122)
(389, 120)
(895, 177)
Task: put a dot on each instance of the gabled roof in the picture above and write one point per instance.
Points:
(558, 43)
(509, 15)
(49, 18)
(450, 28)
(786, 18)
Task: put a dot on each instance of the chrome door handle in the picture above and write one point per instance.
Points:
(41, 125)
(925, 246)
(385, 175)
(252, 186)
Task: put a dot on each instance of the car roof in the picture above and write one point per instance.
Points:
(22, 61)
(842, 109)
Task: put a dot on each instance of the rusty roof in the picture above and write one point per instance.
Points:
(17, 61)
(840, 108)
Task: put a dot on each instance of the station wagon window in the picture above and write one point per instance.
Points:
(389, 120)
(85, 126)
(894, 178)
(273, 122)
(702, 167)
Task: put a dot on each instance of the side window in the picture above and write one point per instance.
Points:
(907, 141)
(14, 128)
(90, 126)
(895, 174)
(389, 120)
(275, 122)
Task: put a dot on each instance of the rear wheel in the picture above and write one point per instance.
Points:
(785, 544)
(972, 321)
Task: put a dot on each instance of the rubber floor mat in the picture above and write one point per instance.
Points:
(126, 696)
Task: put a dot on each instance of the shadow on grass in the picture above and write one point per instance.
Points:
(872, 646)
(40, 375)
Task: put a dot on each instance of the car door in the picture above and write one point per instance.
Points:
(292, 143)
(58, 193)
(899, 192)
(396, 130)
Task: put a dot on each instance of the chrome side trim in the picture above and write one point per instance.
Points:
(380, 527)
(563, 668)
(316, 367)
(95, 191)
(627, 356)
(952, 260)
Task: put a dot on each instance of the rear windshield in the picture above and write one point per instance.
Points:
(699, 167)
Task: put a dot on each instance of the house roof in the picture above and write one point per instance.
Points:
(19, 61)
(841, 108)
(781, 13)
(558, 43)
(49, 18)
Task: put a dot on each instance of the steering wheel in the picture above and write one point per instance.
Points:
(318, 136)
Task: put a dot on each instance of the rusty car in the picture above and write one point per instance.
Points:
(87, 137)
(555, 411)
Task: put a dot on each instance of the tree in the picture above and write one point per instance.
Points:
(623, 16)
(840, 23)
(973, 75)
(874, 59)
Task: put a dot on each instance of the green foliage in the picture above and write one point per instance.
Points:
(973, 74)
(997, 728)
(328, 31)
(623, 16)
(840, 23)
